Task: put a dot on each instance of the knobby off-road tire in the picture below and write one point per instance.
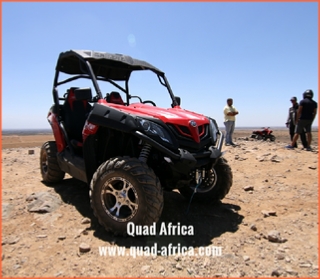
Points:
(125, 190)
(49, 167)
(221, 176)
(272, 138)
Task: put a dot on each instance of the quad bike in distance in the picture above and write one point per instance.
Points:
(128, 152)
(264, 134)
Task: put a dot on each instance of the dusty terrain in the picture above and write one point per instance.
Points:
(266, 226)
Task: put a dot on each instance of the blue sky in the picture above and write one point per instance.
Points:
(260, 54)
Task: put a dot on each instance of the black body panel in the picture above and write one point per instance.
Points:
(112, 118)
(72, 164)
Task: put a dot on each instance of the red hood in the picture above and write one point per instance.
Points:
(175, 116)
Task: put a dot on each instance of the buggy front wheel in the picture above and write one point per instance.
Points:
(125, 190)
(214, 187)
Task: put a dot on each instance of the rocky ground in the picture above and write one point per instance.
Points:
(266, 226)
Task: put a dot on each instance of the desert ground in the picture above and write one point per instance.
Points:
(267, 225)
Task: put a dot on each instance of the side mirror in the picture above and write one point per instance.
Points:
(83, 94)
(178, 100)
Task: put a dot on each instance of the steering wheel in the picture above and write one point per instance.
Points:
(150, 102)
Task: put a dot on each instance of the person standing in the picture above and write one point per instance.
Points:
(229, 120)
(291, 122)
(306, 113)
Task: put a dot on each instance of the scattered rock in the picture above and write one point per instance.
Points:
(267, 213)
(12, 240)
(305, 265)
(84, 248)
(261, 158)
(41, 236)
(43, 202)
(276, 159)
(312, 167)
(292, 272)
(276, 272)
(30, 151)
(253, 227)
(190, 271)
(178, 266)
(61, 237)
(80, 232)
(243, 138)
(257, 236)
(7, 210)
(86, 220)
(279, 256)
(237, 157)
(272, 213)
(248, 188)
(145, 268)
(274, 236)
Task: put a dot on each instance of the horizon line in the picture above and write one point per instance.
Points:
(237, 127)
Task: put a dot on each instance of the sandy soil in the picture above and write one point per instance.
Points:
(266, 226)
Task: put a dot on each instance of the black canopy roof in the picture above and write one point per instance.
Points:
(106, 65)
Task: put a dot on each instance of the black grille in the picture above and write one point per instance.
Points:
(183, 135)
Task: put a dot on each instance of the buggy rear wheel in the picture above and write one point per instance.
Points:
(214, 187)
(125, 190)
(49, 167)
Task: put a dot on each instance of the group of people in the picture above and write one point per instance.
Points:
(300, 119)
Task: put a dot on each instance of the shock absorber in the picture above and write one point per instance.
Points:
(203, 173)
(145, 151)
(199, 175)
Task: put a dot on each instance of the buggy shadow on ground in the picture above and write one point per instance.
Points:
(208, 221)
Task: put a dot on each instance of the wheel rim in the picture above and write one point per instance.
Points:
(208, 183)
(44, 162)
(119, 199)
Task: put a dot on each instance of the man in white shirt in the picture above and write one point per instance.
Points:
(229, 120)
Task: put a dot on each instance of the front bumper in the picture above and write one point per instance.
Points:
(184, 161)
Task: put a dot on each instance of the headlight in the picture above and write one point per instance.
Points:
(153, 129)
(213, 130)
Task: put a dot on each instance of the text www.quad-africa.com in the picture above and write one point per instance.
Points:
(170, 249)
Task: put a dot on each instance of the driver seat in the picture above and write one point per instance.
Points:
(115, 98)
(75, 115)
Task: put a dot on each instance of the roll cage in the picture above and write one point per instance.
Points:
(105, 67)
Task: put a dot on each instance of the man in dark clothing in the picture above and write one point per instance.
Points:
(306, 113)
(291, 122)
